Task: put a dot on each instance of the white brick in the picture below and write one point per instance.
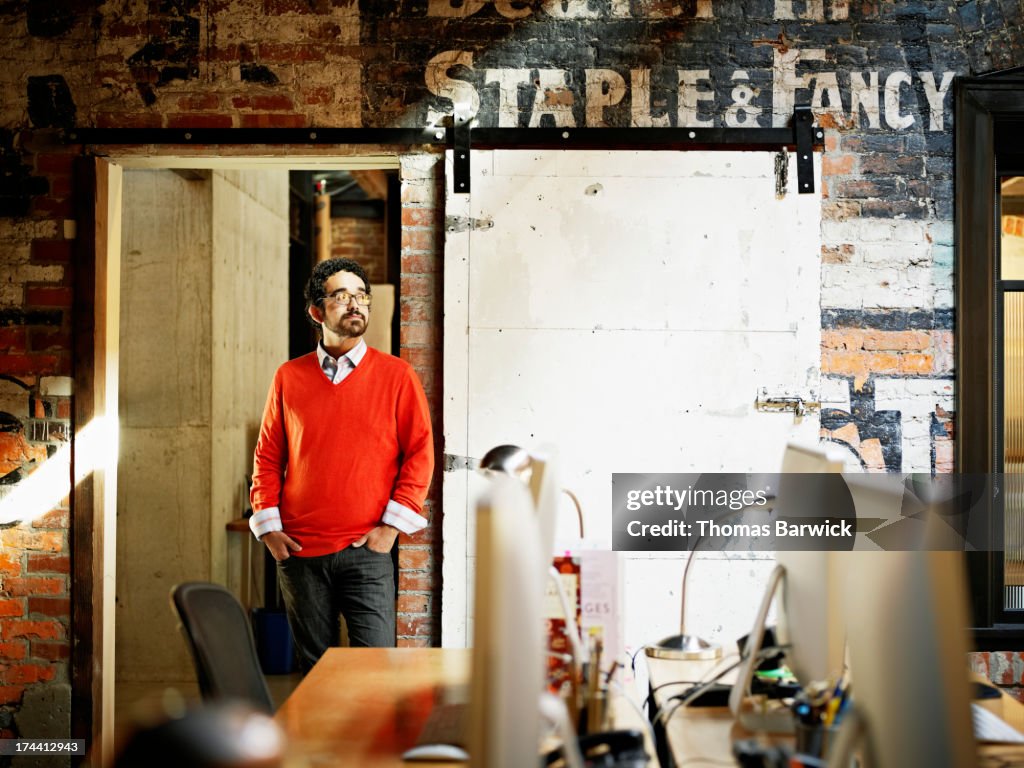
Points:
(908, 232)
(39, 273)
(56, 386)
(941, 232)
(892, 254)
(835, 393)
(838, 232)
(875, 230)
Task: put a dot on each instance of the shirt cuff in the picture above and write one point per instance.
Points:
(404, 519)
(265, 521)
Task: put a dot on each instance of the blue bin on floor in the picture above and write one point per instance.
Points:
(274, 643)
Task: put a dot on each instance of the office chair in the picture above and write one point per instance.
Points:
(220, 639)
(215, 735)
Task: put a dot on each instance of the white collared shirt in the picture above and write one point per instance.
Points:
(345, 364)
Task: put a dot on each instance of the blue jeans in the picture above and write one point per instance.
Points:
(356, 583)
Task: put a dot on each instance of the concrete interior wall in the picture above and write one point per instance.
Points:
(202, 327)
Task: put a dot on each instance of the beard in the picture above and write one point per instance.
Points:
(351, 325)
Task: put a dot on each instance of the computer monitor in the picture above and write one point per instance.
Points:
(907, 635)
(508, 633)
(809, 615)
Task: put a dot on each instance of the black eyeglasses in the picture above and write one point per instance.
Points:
(343, 297)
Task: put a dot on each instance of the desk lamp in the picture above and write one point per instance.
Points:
(686, 646)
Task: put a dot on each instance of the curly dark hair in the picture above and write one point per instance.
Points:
(314, 291)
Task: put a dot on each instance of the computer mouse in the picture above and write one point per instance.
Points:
(436, 753)
(984, 691)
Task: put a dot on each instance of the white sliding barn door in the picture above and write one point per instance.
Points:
(627, 307)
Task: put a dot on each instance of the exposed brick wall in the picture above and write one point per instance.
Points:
(421, 311)
(34, 562)
(363, 240)
(1004, 668)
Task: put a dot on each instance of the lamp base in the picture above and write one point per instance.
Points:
(688, 647)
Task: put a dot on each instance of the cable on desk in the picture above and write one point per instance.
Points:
(664, 715)
(639, 711)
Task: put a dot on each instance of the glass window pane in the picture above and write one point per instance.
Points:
(1013, 448)
(1011, 210)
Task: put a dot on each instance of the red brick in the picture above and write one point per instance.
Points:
(418, 310)
(415, 581)
(129, 120)
(321, 95)
(14, 650)
(837, 165)
(420, 335)
(420, 263)
(49, 563)
(419, 217)
(51, 251)
(275, 120)
(49, 207)
(21, 674)
(410, 603)
(53, 163)
(415, 559)
(48, 296)
(60, 187)
(24, 365)
(44, 541)
(13, 339)
(11, 694)
(413, 642)
(273, 102)
(11, 607)
(199, 102)
(55, 518)
(418, 286)
(199, 120)
(421, 358)
(51, 651)
(44, 630)
(419, 240)
(290, 52)
(10, 563)
(415, 626)
(35, 585)
(54, 607)
(40, 340)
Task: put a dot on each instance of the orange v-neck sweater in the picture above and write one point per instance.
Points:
(330, 456)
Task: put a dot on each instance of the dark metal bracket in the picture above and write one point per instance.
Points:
(804, 136)
(461, 140)
(804, 132)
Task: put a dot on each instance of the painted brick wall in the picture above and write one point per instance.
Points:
(877, 72)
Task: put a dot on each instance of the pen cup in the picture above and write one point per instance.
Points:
(815, 739)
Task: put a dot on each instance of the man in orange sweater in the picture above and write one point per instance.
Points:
(342, 464)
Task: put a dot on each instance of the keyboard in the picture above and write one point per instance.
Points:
(991, 727)
(444, 734)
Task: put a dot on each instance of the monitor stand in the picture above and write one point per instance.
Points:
(775, 717)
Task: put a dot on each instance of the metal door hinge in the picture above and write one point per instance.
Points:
(453, 463)
(786, 402)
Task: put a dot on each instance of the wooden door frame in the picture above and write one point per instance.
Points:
(983, 105)
(95, 349)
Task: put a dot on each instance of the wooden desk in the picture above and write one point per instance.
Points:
(703, 736)
(366, 706)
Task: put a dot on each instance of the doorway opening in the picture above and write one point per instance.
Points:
(196, 290)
